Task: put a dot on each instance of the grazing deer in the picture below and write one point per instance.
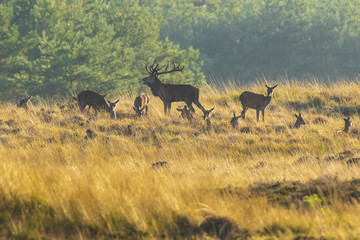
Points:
(141, 102)
(256, 101)
(185, 113)
(169, 93)
(348, 124)
(91, 98)
(299, 121)
(234, 121)
(23, 103)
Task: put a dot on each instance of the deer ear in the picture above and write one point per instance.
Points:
(211, 110)
(275, 86)
(117, 101)
(267, 86)
(180, 110)
(299, 114)
(134, 108)
(234, 114)
(296, 116)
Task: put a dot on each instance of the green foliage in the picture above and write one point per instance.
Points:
(54, 47)
(312, 201)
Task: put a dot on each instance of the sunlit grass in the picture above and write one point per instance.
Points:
(70, 175)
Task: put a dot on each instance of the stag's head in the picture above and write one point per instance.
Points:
(155, 70)
(270, 89)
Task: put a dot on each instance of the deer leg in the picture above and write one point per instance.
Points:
(257, 114)
(146, 109)
(242, 115)
(263, 113)
(191, 108)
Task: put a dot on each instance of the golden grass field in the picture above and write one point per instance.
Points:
(68, 175)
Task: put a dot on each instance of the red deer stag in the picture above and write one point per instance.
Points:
(141, 102)
(169, 93)
(91, 98)
(256, 101)
(23, 103)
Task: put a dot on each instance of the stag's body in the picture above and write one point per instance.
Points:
(91, 98)
(256, 101)
(141, 102)
(169, 93)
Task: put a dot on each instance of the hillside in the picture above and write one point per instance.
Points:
(64, 174)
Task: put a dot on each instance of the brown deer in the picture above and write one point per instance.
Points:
(348, 124)
(141, 102)
(234, 121)
(23, 103)
(91, 98)
(112, 107)
(256, 101)
(299, 121)
(185, 113)
(169, 93)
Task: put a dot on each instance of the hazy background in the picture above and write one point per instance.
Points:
(50, 47)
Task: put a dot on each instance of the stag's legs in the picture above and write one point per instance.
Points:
(242, 115)
(167, 108)
(263, 113)
(257, 114)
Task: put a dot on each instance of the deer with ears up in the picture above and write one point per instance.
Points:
(169, 93)
(256, 101)
(299, 121)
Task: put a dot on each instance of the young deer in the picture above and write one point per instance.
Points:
(169, 93)
(299, 121)
(141, 102)
(256, 101)
(112, 107)
(23, 103)
(234, 121)
(185, 113)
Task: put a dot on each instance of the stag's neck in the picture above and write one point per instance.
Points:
(155, 89)
(267, 100)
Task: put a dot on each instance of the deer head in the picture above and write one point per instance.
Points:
(185, 113)
(207, 113)
(299, 121)
(348, 124)
(234, 120)
(154, 71)
(270, 89)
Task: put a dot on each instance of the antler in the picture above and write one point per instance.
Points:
(175, 69)
(156, 69)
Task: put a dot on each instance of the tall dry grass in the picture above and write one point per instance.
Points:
(64, 174)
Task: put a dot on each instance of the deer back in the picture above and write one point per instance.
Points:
(254, 100)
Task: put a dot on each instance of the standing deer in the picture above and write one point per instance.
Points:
(348, 124)
(256, 101)
(91, 98)
(141, 102)
(234, 121)
(23, 103)
(299, 121)
(169, 93)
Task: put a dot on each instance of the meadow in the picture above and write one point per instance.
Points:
(71, 175)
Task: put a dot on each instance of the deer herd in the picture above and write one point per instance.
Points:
(169, 93)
